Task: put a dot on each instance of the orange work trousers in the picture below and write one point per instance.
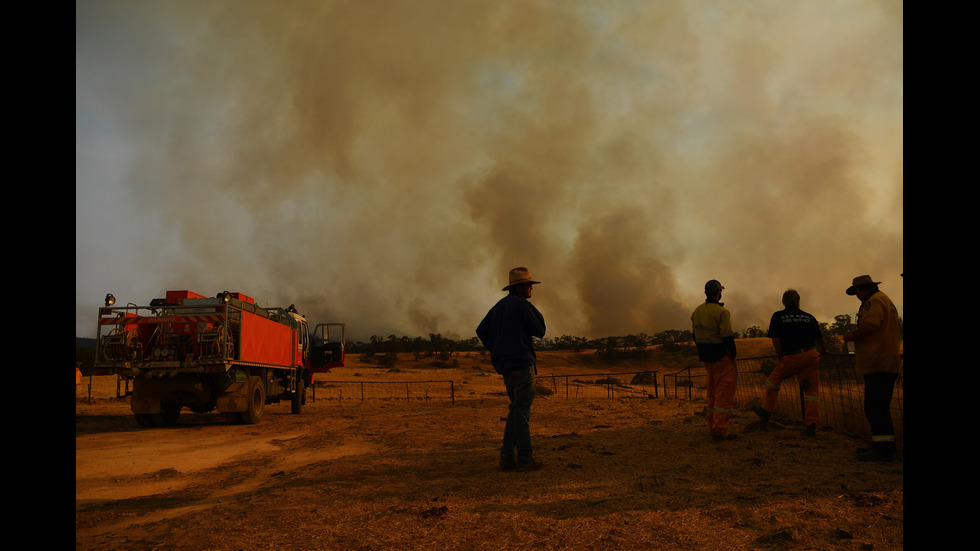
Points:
(721, 395)
(805, 367)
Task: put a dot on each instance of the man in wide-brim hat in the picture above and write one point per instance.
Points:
(861, 282)
(507, 331)
(878, 359)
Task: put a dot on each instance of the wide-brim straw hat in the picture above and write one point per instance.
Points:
(860, 281)
(520, 276)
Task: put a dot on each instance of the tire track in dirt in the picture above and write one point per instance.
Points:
(246, 465)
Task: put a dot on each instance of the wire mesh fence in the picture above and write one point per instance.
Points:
(421, 391)
(584, 386)
(638, 384)
(841, 392)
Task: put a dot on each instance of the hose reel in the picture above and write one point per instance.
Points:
(122, 346)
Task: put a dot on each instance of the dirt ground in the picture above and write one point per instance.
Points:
(627, 473)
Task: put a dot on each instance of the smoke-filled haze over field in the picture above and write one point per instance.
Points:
(385, 163)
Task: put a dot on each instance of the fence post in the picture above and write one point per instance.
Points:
(802, 401)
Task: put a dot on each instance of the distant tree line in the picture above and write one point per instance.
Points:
(442, 347)
(436, 344)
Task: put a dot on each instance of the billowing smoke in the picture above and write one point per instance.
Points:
(385, 163)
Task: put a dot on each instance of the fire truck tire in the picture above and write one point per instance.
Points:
(256, 401)
(168, 415)
(207, 407)
(299, 397)
(145, 420)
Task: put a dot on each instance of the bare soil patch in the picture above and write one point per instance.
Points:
(631, 473)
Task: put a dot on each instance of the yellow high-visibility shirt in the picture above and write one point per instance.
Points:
(712, 326)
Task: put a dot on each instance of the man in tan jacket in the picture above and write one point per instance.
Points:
(877, 343)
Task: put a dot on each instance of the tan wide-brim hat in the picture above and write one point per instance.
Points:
(520, 276)
(860, 281)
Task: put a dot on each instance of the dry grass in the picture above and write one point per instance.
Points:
(634, 473)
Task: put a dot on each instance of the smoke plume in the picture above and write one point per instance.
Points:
(386, 163)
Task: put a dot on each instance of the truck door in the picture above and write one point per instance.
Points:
(327, 347)
(303, 344)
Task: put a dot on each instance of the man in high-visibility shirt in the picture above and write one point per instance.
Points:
(715, 341)
(877, 342)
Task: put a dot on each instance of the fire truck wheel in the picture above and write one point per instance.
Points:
(145, 420)
(256, 401)
(168, 415)
(299, 396)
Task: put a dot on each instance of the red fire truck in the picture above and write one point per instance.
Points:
(223, 353)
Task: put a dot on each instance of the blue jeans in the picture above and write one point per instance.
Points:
(517, 432)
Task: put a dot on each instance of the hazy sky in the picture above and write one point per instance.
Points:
(385, 163)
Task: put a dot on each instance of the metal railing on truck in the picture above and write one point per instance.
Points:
(207, 337)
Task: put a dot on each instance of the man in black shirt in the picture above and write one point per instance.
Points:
(507, 331)
(796, 337)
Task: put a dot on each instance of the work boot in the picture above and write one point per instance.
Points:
(531, 465)
(762, 413)
(508, 463)
(877, 452)
(810, 430)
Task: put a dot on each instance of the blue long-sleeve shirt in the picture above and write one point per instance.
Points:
(506, 332)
